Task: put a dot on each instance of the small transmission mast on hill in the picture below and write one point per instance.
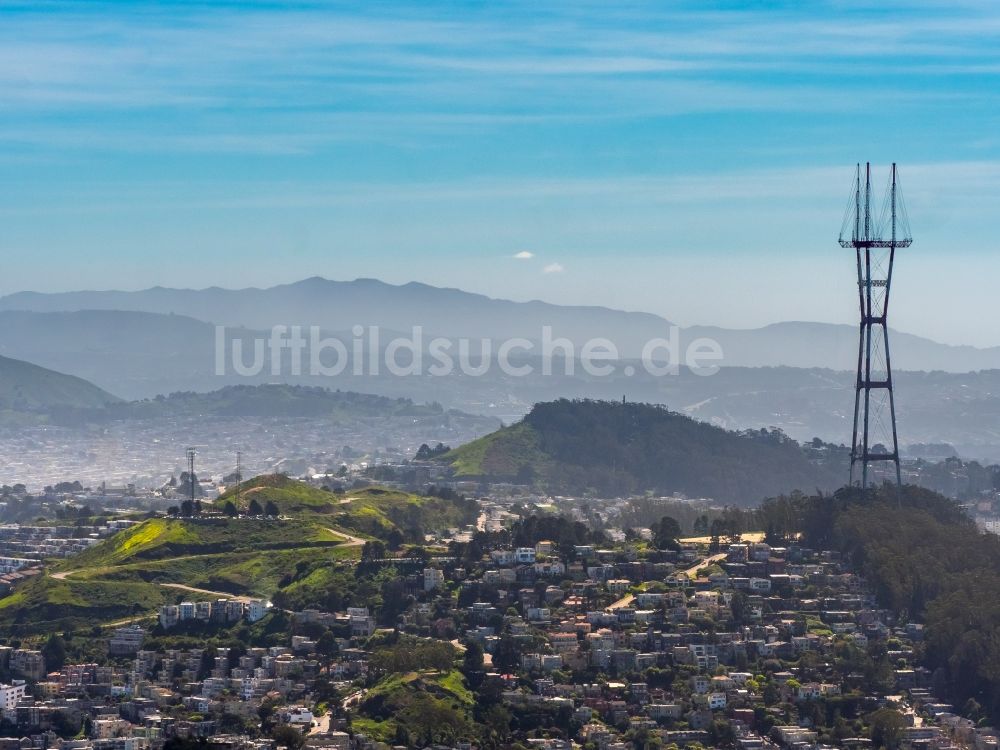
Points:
(191, 453)
(239, 475)
(874, 237)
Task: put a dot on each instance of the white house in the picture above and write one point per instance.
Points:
(525, 555)
(11, 695)
(256, 609)
(298, 715)
(716, 701)
(433, 578)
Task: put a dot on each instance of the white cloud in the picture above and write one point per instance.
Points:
(553, 268)
(524, 255)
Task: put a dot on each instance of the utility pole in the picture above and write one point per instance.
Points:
(239, 477)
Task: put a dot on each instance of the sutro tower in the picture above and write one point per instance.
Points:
(874, 237)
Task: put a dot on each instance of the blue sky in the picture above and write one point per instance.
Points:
(691, 160)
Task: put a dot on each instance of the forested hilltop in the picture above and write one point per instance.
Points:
(608, 448)
(927, 561)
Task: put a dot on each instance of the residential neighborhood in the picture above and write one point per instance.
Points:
(735, 643)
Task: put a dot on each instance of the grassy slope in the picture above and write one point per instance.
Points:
(375, 511)
(120, 575)
(245, 573)
(292, 497)
(384, 703)
(501, 453)
(168, 538)
(46, 604)
(372, 511)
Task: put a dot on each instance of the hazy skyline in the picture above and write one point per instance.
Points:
(692, 160)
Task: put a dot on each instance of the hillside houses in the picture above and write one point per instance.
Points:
(216, 611)
(746, 646)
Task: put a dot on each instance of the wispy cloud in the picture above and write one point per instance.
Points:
(574, 127)
(524, 255)
(953, 183)
(553, 268)
(417, 61)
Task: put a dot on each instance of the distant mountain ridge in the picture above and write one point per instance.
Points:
(339, 305)
(835, 346)
(30, 393)
(765, 378)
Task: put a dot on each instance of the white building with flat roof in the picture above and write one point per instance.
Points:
(11, 695)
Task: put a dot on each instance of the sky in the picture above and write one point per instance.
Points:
(687, 159)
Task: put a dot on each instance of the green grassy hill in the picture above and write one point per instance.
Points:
(48, 605)
(508, 452)
(293, 498)
(614, 448)
(428, 706)
(370, 511)
(300, 560)
(167, 538)
(377, 512)
(124, 575)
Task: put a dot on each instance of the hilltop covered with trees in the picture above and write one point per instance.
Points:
(608, 448)
(927, 561)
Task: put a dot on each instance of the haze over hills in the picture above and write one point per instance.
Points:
(833, 346)
(288, 428)
(132, 354)
(25, 387)
(67, 401)
(340, 305)
(796, 376)
(264, 401)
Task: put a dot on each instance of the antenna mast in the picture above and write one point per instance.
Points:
(874, 239)
(239, 476)
(190, 457)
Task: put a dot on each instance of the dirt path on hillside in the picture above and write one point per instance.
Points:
(349, 540)
(352, 541)
(207, 592)
(63, 575)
